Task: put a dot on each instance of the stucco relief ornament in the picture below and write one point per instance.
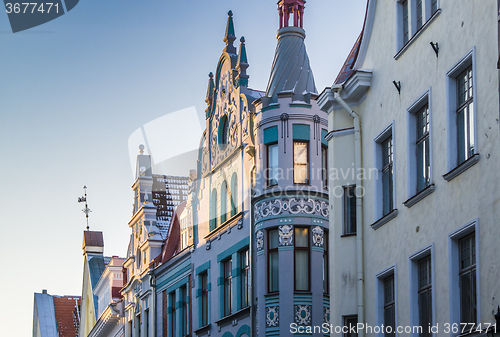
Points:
(272, 316)
(326, 315)
(303, 314)
(318, 234)
(239, 225)
(283, 206)
(286, 235)
(260, 240)
(209, 244)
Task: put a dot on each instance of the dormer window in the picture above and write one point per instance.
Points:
(223, 132)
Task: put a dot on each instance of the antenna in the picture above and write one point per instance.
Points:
(86, 210)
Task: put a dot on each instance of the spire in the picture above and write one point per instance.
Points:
(230, 36)
(291, 72)
(288, 8)
(241, 67)
(210, 92)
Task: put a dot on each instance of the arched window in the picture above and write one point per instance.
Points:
(213, 211)
(223, 202)
(234, 194)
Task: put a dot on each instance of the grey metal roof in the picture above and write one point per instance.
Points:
(46, 315)
(291, 71)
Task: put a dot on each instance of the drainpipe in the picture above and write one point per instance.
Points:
(359, 207)
(152, 284)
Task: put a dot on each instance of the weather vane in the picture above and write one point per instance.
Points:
(86, 210)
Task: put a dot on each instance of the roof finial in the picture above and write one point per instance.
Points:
(86, 210)
(141, 149)
(230, 36)
(210, 93)
(242, 65)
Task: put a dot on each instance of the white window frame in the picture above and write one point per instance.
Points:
(414, 309)
(379, 296)
(454, 269)
(412, 20)
(389, 131)
(451, 106)
(411, 125)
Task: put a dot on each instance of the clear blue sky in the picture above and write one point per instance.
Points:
(73, 90)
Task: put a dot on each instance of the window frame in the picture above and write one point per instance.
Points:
(307, 164)
(463, 271)
(452, 107)
(389, 132)
(414, 260)
(228, 286)
(413, 169)
(380, 296)
(324, 166)
(183, 290)
(326, 263)
(348, 222)
(454, 271)
(204, 298)
(306, 249)
(269, 252)
(346, 323)
(224, 192)
(271, 181)
(213, 210)
(244, 278)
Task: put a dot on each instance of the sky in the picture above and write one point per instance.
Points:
(73, 91)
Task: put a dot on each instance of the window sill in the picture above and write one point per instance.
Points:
(231, 222)
(417, 34)
(462, 167)
(237, 315)
(385, 219)
(348, 235)
(203, 330)
(419, 196)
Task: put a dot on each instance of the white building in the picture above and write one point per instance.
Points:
(418, 245)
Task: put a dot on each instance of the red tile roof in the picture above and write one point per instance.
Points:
(67, 310)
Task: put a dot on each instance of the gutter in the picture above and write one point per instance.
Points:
(359, 207)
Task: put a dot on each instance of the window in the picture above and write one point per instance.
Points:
(350, 322)
(227, 265)
(325, 265)
(223, 131)
(184, 299)
(146, 322)
(213, 211)
(465, 116)
(245, 269)
(425, 294)
(422, 145)
(300, 162)
(467, 279)
(389, 306)
(224, 197)
(406, 22)
(461, 121)
(272, 164)
(273, 261)
(234, 194)
(420, 14)
(204, 299)
(434, 6)
(324, 166)
(301, 259)
(349, 210)
(387, 176)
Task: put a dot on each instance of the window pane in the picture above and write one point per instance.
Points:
(351, 322)
(434, 6)
(223, 203)
(273, 164)
(301, 237)
(425, 311)
(470, 113)
(324, 166)
(273, 271)
(419, 14)
(302, 270)
(387, 193)
(300, 163)
(405, 23)
(350, 210)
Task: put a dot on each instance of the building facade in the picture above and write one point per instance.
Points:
(413, 127)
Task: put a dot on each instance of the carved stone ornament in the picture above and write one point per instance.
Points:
(260, 239)
(286, 235)
(209, 244)
(318, 236)
(303, 314)
(272, 316)
(239, 225)
(290, 206)
(326, 315)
